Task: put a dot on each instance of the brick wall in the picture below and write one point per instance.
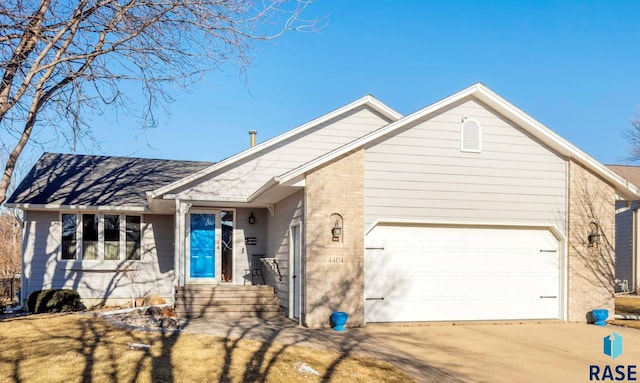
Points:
(591, 270)
(334, 270)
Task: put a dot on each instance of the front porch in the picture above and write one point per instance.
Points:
(219, 246)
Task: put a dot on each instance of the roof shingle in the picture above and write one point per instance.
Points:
(67, 179)
(631, 173)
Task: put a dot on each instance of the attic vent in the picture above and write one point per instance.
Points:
(470, 136)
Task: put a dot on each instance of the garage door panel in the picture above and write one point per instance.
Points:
(454, 273)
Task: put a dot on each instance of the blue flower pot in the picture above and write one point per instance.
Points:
(600, 316)
(338, 320)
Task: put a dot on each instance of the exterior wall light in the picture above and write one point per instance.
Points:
(336, 231)
(593, 238)
(252, 219)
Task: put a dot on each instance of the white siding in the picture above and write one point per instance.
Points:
(420, 173)
(287, 211)
(97, 281)
(243, 252)
(247, 176)
(624, 243)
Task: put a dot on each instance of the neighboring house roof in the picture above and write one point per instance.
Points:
(367, 101)
(631, 173)
(68, 180)
(480, 92)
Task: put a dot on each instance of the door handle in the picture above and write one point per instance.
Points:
(374, 299)
(548, 296)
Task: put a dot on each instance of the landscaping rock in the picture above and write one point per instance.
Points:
(168, 324)
(152, 318)
(169, 312)
(154, 299)
(155, 312)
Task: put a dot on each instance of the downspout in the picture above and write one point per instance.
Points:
(565, 243)
(634, 251)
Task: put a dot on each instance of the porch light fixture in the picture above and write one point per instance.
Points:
(594, 237)
(336, 231)
(252, 219)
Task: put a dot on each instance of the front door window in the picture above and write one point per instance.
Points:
(226, 224)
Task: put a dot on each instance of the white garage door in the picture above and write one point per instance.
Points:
(459, 273)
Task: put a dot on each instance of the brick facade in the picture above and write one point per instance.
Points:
(591, 270)
(334, 270)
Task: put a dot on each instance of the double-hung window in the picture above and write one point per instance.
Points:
(110, 237)
(133, 236)
(69, 236)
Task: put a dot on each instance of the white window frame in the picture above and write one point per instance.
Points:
(462, 147)
(78, 231)
(123, 237)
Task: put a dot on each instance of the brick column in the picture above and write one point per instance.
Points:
(591, 270)
(334, 270)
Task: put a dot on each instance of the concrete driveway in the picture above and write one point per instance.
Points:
(470, 352)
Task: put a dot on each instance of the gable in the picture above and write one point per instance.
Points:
(238, 181)
(479, 92)
(421, 170)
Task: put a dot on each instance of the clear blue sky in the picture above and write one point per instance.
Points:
(574, 66)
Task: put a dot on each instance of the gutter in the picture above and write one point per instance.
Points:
(34, 206)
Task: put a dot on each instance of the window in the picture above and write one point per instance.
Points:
(69, 228)
(470, 136)
(110, 237)
(133, 236)
(89, 236)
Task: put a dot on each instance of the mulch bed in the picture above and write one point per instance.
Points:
(151, 318)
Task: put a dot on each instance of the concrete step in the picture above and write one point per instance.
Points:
(229, 314)
(224, 287)
(224, 293)
(226, 301)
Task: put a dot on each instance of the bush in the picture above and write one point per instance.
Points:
(54, 301)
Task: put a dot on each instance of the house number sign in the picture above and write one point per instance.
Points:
(336, 259)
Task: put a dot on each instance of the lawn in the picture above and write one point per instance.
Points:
(83, 348)
(627, 305)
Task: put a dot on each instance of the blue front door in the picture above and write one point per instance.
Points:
(203, 245)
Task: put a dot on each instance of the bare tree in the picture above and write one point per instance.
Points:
(632, 134)
(63, 61)
(10, 240)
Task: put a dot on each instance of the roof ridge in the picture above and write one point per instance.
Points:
(126, 157)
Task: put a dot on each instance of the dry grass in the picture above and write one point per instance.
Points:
(627, 305)
(82, 348)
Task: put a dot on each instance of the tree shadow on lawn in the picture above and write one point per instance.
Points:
(73, 347)
(277, 336)
(246, 350)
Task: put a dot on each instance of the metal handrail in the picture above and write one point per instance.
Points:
(272, 263)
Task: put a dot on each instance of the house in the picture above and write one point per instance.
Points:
(468, 209)
(626, 241)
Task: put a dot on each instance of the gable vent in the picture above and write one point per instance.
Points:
(470, 136)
